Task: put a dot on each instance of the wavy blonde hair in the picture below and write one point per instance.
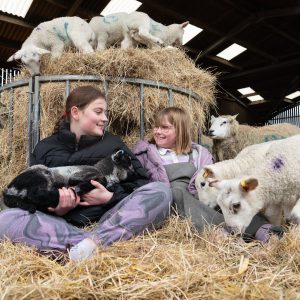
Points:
(182, 123)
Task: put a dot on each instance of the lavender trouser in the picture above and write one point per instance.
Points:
(146, 207)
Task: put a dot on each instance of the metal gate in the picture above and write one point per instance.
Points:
(34, 83)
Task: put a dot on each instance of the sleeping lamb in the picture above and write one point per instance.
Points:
(36, 188)
(51, 37)
(133, 28)
(229, 137)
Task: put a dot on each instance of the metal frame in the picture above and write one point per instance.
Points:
(34, 98)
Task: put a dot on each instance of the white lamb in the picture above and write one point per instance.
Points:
(51, 37)
(272, 187)
(243, 163)
(229, 137)
(133, 28)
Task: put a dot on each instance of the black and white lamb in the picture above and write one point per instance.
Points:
(36, 188)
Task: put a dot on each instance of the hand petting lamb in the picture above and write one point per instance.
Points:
(51, 37)
(229, 137)
(272, 187)
(242, 164)
(133, 28)
(36, 188)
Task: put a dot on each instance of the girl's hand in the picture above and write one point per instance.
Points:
(97, 196)
(68, 200)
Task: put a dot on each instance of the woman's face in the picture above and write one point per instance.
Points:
(92, 119)
(165, 135)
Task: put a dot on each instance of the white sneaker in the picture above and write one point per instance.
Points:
(82, 250)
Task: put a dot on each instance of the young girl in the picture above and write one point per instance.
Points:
(172, 158)
(80, 138)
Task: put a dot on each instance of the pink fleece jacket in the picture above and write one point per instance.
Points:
(150, 159)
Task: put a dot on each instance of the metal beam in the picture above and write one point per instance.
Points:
(240, 27)
(261, 69)
(244, 10)
(16, 21)
(74, 8)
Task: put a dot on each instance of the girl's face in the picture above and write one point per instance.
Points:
(92, 119)
(165, 135)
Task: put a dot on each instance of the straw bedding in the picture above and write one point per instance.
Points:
(172, 263)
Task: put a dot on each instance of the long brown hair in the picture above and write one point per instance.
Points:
(182, 123)
(79, 97)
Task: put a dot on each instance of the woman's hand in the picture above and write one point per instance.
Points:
(97, 196)
(68, 200)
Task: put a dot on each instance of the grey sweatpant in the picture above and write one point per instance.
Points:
(146, 207)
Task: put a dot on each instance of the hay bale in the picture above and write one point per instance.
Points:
(170, 66)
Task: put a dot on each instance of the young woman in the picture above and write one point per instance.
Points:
(171, 157)
(129, 208)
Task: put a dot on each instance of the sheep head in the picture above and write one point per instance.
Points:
(222, 127)
(236, 201)
(30, 56)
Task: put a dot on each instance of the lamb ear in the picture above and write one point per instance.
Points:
(248, 184)
(17, 55)
(214, 183)
(208, 172)
(41, 51)
(184, 24)
(234, 117)
(118, 155)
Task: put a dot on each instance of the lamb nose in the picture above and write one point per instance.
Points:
(210, 132)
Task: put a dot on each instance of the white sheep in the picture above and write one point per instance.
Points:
(229, 137)
(273, 187)
(243, 163)
(51, 37)
(133, 28)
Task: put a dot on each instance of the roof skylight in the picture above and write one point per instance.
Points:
(16, 7)
(231, 51)
(255, 98)
(190, 31)
(115, 6)
(246, 91)
(293, 95)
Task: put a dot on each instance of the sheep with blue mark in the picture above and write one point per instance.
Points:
(52, 37)
(36, 188)
(136, 27)
(230, 137)
(273, 187)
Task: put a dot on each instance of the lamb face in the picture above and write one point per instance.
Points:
(123, 164)
(220, 127)
(207, 194)
(30, 56)
(236, 202)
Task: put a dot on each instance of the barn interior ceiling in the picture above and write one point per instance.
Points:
(268, 29)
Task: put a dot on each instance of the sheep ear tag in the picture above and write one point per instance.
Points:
(207, 173)
(244, 185)
(249, 184)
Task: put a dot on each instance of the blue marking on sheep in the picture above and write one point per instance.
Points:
(62, 35)
(110, 19)
(277, 163)
(272, 137)
(155, 27)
